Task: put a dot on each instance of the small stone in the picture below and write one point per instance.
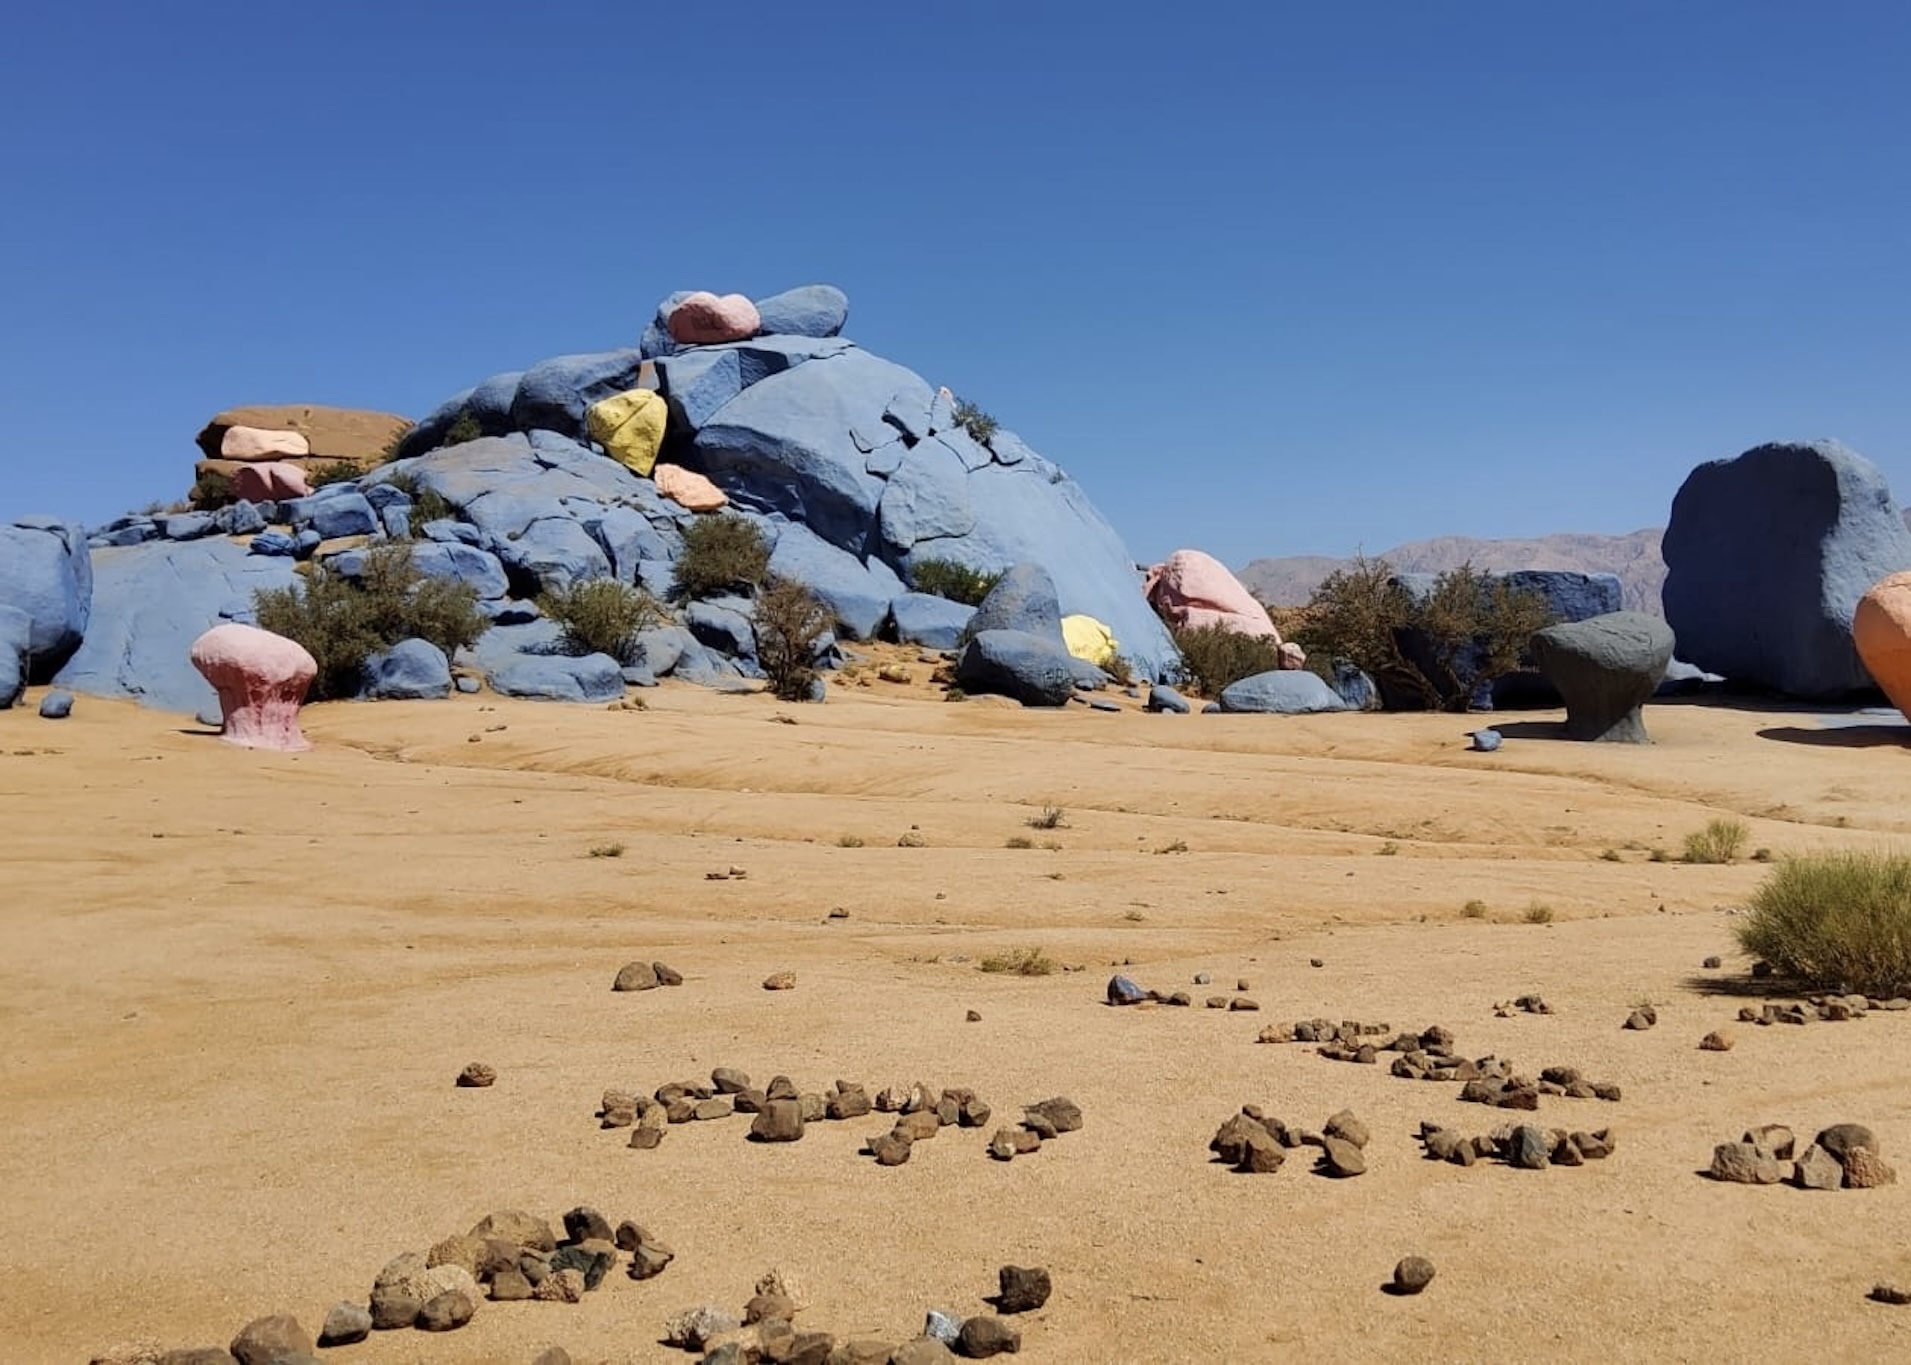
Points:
(1348, 1128)
(446, 1312)
(1242, 1002)
(1316, 962)
(1712, 964)
(507, 1286)
(1341, 1159)
(650, 1259)
(716, 1107)
(919, 1125)
(1744, 1164)
(592, 1260)
(975, 1016)
(891, 1148)
(552, 1355)
(1842, 1138)
(781, 1088)
(729, 1081)
(636, 976)
(393, 1308)
(1594, 1146)
(693, 1328)
(942, 1327)
(585, 1224)
(1773, 1138)
(345, 1324)
(780, 981)
(1124, 991)
(667, 976)
(984, 1336)
(1412, 1275)
(561, 1286)
(1259, 1153)
(1761, 970)
(1022, 1290)
(1817, 1169)
(847, 1104)
(921, 1351)
(477, 1076)
(1866, 1170)
(1243, 985)
(1889, 1293)
(1640, 1020)
(1217, 1002)
(1607, 1091)
(264, 1340)
(1002, 1146)
(779, 1121)
(1718, 1040)
(763, 1306)
(1203, 978)
(1061, 1111)
(1530, 1148)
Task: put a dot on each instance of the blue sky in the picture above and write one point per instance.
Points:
(1268, 279)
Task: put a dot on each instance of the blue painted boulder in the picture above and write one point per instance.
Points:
(56, 706)
(16, 629)
(858, 593)
(239, 518)
(185, 525)
(1766, 558)
(1165, 699)
(920, 618)
(555, 394)
(411, 670)
(332, 516)
(1353, 686)
(558, 677)
(1022, 599)
(1285, 692)
(813, 310)
(46, 573)
(436, 559)
(1032, 669)
(723, 624)
(1124, 991)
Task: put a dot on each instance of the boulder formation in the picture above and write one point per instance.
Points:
(1606, 668)
(261, 679)
(1194, 589)
(46, 574)
(1881, 629)
(1285, 692)
(1767, 556)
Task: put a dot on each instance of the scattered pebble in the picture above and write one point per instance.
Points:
(780, 981)
(1712, 964)
(477, 1076)
(1889, 1293)
(1412, 1275)
(1718, 1040)
(1022, 1290)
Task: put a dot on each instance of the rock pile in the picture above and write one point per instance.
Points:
(1255, 1142)
(1831, 1009)
(1525, 1146)
(1843, 1156)
(1042, 1122)
(921, 1112)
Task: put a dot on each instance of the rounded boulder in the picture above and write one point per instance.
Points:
(261, 679)
(703, 319)
(1881, 628)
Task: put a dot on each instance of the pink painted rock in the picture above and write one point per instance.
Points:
(689, 489)
(256, 443)
(704, 319)
(269, 481)
(1195, 589)
(261, 679)
(1293, 657)
(1881, 628)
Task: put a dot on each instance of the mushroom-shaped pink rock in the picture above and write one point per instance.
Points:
(270, 481)
(703, 319)
(1195, 589)
(261, 679)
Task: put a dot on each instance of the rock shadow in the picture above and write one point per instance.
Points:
(1879, 736)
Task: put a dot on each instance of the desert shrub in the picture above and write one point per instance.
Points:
(338, 471)
(849, 841)
(1052, 817)
(601, 616)
(1720, 841)
(389, 451)
(1474, 909)
(1538, 913)
(1117, 667)
(1020, 962)
(607, 850)
(975, 421)
(212, 491)
(427, 504)
(1019, 841)
(1475, 628)
(1214, 657)
(1836, 919)
(342, 623)
(790, 626)
(464, 427)
(722, 553)
(948, 579)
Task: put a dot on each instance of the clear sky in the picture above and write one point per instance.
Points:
(1268, 278)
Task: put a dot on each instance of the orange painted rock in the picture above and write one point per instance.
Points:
(261, 679)
(256, 443)
(689, 489)
(269, 481)
(1881, 628)
(703, 319)
(1194, 589)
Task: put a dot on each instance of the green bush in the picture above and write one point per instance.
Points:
(342, 623)
(464, 427)
(790, 624)
(601, 616)
(338, 471)
(389, 451)
(956, 582)
(427, 504)
(722, 553)
(1839, 920)
(1214, 657)
(212, 491)
(1721, 841)
(976, 422)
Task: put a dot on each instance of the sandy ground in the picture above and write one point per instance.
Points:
(237, 987)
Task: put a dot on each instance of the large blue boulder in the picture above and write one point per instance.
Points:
(554, 394)
(697, 383)
(857, 592)
(332, 515)
(1032, 669)
(927, 497)
(558, 677)
(656, 340)
(1023, 599)
(554, 553)
(150, 602)
(16, 629)
(46, 573)
(488, 405)
(128, 530)
(1766, 557)
(813, 310)
(723, 624)
(411, 670)
(1288, 692)
(920, 618)
(629, 538)
(185, 525)
(436, 559)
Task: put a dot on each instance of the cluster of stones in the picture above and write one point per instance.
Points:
(1042, 1122)
(1641, 1019)
(645, 976)
(1830, 1009)
(1256, 1143)
(1349, 1034)
(1501, 1088)
(1123, 990)
(921, 1112)
(1843, 1156)
(1525, 1004)
(779, 1110)
(1525, 1145)
(765, 1331)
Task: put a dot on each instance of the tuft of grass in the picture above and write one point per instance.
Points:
(465, 427)
(1052, 817)
(338, 471)
(601, 616)
(1537, 912)
(1658, 855)
(955, 694)
(1020, 962)
(1019, 841)
(1611, 855)
(607, 850)
(1387, 850)
(975, 421)
(1178, 846)
(721, 553)
(849, 841)
(1474, 909)
(1761, 855)
(1720, 841)
(1840, 920)
(948, 579)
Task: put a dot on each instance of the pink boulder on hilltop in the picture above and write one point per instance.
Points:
(703, 319)
(270, 481)
(1881, 628)
(1193, 589)
(261, 679)
(689, 489)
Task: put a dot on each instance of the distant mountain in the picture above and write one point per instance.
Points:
(1290, 581)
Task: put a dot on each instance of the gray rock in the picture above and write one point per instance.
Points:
(1412, 1275)
(411, 670)
(556, 677)
(984, 1336)
(1163, 698)
(919, 618)
(1013, 663)
(265, 1341)
(1024, 600)
(345, 1324)
(1745, 1164)
(1605, 669)
(1842, 1138)
(1530, 1148)
(1288, 692)
(1022, 1289)
(1818, 1169)
(56, 705)
(942, 1327)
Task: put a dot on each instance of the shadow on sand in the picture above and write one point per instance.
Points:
(1842, 736)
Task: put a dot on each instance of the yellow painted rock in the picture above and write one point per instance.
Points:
(1881, 628)
(630, 426)
(1089, 639)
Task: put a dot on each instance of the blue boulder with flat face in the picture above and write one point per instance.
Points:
(1022, 599)
(332, 516)
(1287, 692)
(558, 677)
(813, 310)
(555, 394)
(920, 618)
(437, 559)
(56, 706)
(1165, 699)
(723, 624)
(46, 574)
(15, 630)
(1766, 558)
(411, 670)
(857, 592)
(1032, 669)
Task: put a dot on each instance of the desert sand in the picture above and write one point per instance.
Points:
(237, 988)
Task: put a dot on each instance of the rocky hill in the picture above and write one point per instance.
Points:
(1635, 558)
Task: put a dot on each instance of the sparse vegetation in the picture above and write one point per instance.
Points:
(601, 616)
(1719, 842)
(607, 851)
(1019, 841)
(338, 471)
(975, 421)
(1214, 657)
(212, 491)
(389, 451)
(911, 840)
(955, 694)
(342, 623)
(721, 553)
(1658, 855)
(790, 626)
(1537, 912)
(427, 504)
(1178, 846)
(849, 841)
(1761, 855)
(947, 579)
(1052, 817)
(1611, 855)
(464, 427)
(1020, 962)
(1840, 920)
(1475, 909)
